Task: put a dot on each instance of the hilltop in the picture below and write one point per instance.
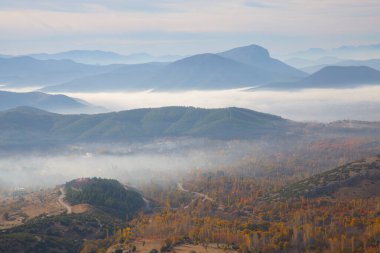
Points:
(107, 194)
(259, 57)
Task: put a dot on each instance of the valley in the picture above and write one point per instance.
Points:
(273, 202)
(168, 126)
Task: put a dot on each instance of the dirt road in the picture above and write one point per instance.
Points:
(62, 202)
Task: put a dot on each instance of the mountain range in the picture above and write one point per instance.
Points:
(236, 68)
(248, 66)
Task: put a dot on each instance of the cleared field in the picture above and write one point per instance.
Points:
(17, 210)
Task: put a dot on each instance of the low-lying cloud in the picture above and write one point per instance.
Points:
(322, 105)
(135, 163)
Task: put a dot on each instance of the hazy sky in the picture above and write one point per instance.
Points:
(185, 26)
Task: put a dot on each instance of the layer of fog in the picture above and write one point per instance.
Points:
(322, 105)
(160, 161)
(171, 160)
(5, 87)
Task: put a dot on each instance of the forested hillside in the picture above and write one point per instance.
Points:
(28, 126)
(360, 179)
(104, 193)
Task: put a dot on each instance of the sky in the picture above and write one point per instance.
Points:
(185, 27)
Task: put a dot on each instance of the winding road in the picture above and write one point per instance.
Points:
(62, 202)
(197, 195)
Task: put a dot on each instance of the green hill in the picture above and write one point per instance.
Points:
(107, 194)
(27, 126)
(360, 179)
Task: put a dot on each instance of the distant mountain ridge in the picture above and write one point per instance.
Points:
(27, 71)
(343, 75)
(248, 66)
(236, 68)
(52, 103)
(104, 57)
(333, 77)
(372, 63)
(345, 52)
